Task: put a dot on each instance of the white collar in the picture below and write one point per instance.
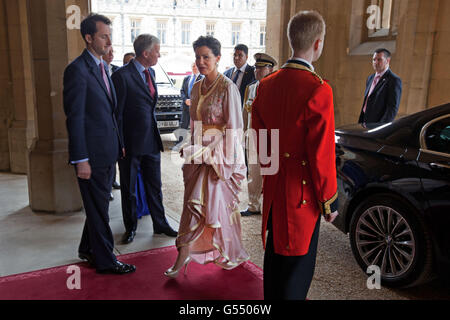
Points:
(97, 60)
(382, 73)
(242, 69)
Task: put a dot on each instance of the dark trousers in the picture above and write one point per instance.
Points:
(185, 121)
(151, 175)
(185, 117)
(288, 277)
(97, 238)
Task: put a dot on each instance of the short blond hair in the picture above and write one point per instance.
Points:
(304, 28)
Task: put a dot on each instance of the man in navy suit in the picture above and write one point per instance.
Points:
(111, 68)
(383, 91)
(185, 92)
(137, 95)
(94, 141)
(242, 74)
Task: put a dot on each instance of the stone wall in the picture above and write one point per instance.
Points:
(420, 51)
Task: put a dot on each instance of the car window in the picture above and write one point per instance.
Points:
(438, 136)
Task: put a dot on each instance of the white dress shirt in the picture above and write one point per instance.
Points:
(241, 75)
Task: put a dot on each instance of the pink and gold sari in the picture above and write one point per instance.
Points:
(213, 171)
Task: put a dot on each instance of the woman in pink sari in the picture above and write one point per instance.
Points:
(210, 229)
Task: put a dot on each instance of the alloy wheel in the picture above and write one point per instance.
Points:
(384, 238)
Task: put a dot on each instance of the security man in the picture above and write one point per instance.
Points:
(263, 67)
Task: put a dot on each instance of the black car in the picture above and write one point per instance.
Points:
(394, 195)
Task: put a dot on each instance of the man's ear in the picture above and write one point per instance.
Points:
(317, 44)
(88, 38)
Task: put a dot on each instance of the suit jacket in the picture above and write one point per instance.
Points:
(136, 112)
(185, 88)
(247, 78)
(383, 103)
(91, 123)
(305, 184)
(114, 68)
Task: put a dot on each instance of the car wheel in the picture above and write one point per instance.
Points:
(387, 232)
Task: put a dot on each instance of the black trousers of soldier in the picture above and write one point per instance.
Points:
(288, 277)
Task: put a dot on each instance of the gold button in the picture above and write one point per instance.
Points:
(287, 155)
(287, 247)
(304, 181)
(303, 163)
(304, 202)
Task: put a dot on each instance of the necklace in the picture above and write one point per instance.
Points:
(212, 84)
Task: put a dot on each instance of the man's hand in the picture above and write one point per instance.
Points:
(188, 102)
(123, 153)
(330, 217)
(83, 170)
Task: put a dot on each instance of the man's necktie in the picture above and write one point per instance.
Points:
(149, 83)
(105, 77)
(236, 76)
(191, 84)
(374, 83)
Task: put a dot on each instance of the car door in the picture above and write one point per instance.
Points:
(434, 160)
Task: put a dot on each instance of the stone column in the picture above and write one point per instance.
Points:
(277, 44)
(439, 90)
(6, 97)
(21, 131)
(51, 180)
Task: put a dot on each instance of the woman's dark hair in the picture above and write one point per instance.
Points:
(210, 42)
(89, 25)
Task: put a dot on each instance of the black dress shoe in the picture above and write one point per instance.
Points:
(116, 185)
(248, 213)
(119, 268)
(111, 196)
(88, 257)
(168, 231)
(128, 237)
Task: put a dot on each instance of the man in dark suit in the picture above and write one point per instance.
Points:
(127, 57)
(109, 57)
(242, 74)
(383, 91)
(94, 141)
(137, 95)
(111, 68)
(185, 92)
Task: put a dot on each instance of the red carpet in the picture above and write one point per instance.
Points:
(202, 282)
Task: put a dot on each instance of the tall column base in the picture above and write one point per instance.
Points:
(19, 141)
(52, 183)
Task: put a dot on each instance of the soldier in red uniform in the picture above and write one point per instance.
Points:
(298, 103)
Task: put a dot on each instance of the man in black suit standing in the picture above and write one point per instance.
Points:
(109, 57)
(242, 74)
(185, 92)
(127, 57)
(111, 68)
(383, 91)
(94, 141)
(137, 95)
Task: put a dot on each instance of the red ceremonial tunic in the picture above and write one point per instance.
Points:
(298, 103)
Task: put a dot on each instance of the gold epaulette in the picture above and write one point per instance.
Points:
(300, 67)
